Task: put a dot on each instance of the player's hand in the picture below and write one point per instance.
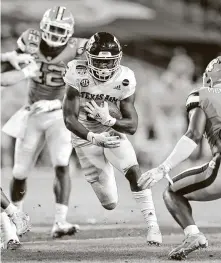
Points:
(31, 70)
(104, 139)
(15, 59)
(100, 114)
(42, 106)
(151, 177)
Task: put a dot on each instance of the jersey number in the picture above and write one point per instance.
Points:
(34, 36)
(50, 75)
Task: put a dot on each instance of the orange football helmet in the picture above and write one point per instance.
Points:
(212, 74)
(57, 26)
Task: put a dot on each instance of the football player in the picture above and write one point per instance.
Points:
(13, 221)
(99, 110)
(41, 119)
(200, 183)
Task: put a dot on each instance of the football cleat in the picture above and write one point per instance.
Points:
(63, 229)
(154, 236)
(13, 244)
(189, 244)
(21, 221)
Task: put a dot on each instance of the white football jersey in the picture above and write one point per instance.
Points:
(119, 87)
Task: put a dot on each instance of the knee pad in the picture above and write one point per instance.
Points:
(20, 172)
(62, 158)
(110, 206)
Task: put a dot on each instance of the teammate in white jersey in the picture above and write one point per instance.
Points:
(201, 183)
(41, 119)
(99, 138)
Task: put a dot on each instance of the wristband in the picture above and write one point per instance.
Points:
(90, 136)
(6, 56)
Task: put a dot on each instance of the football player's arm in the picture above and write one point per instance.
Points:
(15, 58)
(128, 123)
(183, 149)
(189, 141)
(11, 77)
(71, 105)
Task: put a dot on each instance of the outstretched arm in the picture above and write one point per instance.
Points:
(188, 142)
(11, 77)
(183, 149)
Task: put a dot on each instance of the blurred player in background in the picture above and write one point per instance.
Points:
(200, 183)
(41, 120)
(175, 85)
(99, 110)
(13, 221)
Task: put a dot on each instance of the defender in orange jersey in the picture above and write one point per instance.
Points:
(41, 120)
(200, 183)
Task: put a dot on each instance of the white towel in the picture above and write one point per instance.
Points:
(17, 124)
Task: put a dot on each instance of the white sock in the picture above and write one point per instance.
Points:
(60, 212)
(145, 202)
(8, 229)
(191, 230)
(10, 209)
(19, 204)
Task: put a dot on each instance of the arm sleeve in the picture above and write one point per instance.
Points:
(193, 101)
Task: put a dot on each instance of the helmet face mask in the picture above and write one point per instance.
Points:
(57, 26)
(104, 54)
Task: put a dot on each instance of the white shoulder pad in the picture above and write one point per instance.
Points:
(74, 71)
(128, 82)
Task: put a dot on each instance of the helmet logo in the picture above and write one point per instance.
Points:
(104, 54)
(84, 83)
(210, 67)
